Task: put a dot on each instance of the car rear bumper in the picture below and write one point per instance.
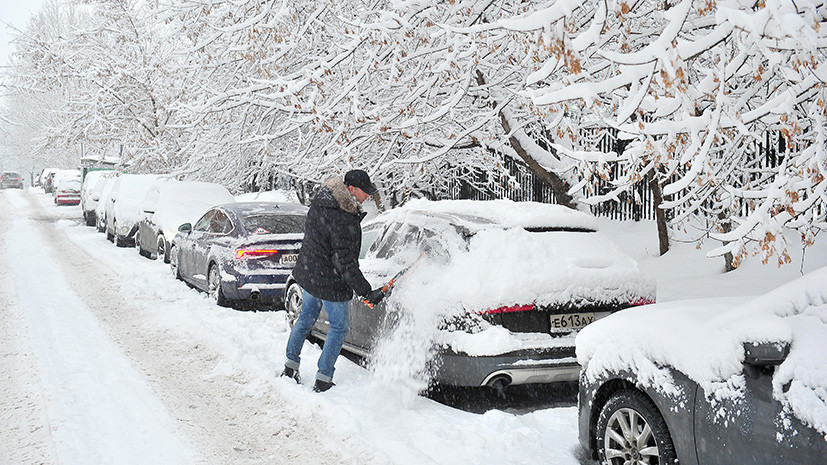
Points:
(265, 287)
(67, 200)
(519, 367)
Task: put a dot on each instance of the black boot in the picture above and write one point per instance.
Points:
(291, 373)
(322, 386)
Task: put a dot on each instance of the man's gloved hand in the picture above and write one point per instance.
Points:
(375, 296)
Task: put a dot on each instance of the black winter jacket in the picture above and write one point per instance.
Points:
(328, 263)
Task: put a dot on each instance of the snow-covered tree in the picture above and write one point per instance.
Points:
(693, 87)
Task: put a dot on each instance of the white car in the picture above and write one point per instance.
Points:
(122, 207)
(104, 199)
(169, 204)
(90, 193)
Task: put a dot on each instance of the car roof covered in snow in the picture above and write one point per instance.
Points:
(247, 208)
(482, 214)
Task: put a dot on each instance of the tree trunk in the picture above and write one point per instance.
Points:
(660, 215)
(558, 185)
(726, 225)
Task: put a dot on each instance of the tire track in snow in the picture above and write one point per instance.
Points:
(24, 434)
(228, 425)
(100, 409)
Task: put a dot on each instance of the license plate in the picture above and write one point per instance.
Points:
(289, 258)
(570, 321)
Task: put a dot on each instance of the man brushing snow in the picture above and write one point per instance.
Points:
(328, 270)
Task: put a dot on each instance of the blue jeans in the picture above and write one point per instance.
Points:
(337, 314)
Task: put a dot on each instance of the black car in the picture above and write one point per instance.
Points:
(240, 251)
(539, 323)
(708, 383)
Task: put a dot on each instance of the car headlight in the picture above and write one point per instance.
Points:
(124, 230)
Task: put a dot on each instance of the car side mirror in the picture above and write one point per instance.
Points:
(96, 197)
(761, 357)
(185, 228)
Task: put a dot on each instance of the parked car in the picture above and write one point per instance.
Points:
(122, 209)
(67, 191)
(709, 382)
(46, 177)
(526, 274)
(241, 251)
(104, 200)
(11, 180)
(169, 204)
(90, 193)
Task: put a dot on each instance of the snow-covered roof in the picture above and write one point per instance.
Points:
(508, 213)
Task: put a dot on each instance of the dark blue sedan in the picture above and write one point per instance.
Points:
(241, 251)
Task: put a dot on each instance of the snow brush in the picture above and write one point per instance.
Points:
(403, 273)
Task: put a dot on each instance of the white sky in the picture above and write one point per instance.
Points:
(14, 13)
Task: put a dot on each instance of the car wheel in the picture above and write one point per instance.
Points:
(631, 430)
(110, 236)
(214, 286)
(141, 251)
(173, 262)
(293, 303)
(162, 249)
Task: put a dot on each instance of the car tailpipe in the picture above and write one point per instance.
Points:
(498, 383)
(255, 294)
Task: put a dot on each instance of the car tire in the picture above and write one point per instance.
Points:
(173, 263)
(214, 286)
(110, 236)
(121, 241)
(162, 248)
(293, 303)
(141, 251)
(649, 443)
(90, 218)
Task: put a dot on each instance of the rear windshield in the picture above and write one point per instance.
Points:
(268, 223)
(11, 174)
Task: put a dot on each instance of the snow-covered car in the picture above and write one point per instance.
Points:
(169, 204)
(240, 251)
(709, 382)
(122, 209)
(46, 177)
(497, 293)
(67, 190)
(11, 180)
(104, 200)
(61, 175)
(90, 192)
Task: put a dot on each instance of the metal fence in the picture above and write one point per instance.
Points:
(517, 182)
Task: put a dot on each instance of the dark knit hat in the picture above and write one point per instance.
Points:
(360, 179)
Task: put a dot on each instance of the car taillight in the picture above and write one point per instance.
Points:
(641, 301)
(509, 309)
(255, 253)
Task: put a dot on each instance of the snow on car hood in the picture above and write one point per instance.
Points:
(704, 340)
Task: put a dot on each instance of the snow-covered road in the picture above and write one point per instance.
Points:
(105, 358)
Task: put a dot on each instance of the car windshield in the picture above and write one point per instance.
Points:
(269, 223)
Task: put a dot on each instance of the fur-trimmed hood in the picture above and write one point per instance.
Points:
(339, 196)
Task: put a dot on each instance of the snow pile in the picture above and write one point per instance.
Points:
(704, 340)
